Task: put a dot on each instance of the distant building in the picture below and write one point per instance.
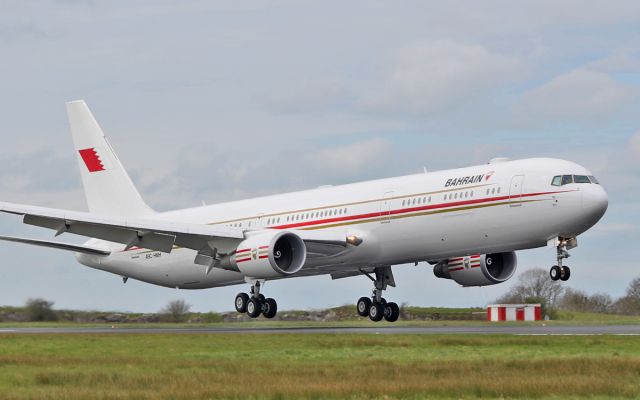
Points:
(514, 312)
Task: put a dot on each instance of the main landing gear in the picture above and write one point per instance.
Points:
(256, 303)
(562, 272)
(377, 307)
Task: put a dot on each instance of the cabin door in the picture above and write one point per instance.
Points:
(515, 191)
(385, 208)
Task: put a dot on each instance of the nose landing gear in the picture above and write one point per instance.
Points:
(256, 304)
(377, 307)
(559, 271)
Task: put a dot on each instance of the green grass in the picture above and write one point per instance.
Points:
(317, 366)
(564, 318)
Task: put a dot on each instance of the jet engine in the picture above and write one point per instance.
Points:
(270, 254)
(478, 269)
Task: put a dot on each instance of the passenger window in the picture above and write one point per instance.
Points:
(557, 180)
(567, 179)
(498, 190)
(581, 179)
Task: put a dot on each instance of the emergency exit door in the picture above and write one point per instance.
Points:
(515, 191)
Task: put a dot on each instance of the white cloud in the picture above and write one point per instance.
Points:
(619, 60)
(432, 76)
(615, 228)
(309, 95)
(634, 144)
(351, 158)
(580, 93)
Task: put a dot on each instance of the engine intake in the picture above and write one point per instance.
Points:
(478, 269)
(270, 255)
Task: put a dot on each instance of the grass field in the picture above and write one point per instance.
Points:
(283, 366)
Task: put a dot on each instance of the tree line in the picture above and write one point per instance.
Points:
(534, 286)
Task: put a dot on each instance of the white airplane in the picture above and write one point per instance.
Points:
(467, 223)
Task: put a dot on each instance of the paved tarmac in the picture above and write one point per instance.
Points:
(629, 330)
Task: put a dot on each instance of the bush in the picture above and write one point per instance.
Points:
(577, 300)
(176, 310)
(40, 310)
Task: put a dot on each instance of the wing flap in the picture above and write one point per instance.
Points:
(58, 245)
(129, 237)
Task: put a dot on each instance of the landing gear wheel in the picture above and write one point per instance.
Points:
(376, 312)
(363, 305)
(555, 273)
(261, 297)
(383, 301)
(391, 312)
(241, 302)
(254, 308)
(269, 308)
(565, 273)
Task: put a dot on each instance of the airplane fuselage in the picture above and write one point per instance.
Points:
(497, 207)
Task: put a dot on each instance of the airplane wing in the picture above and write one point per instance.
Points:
(58, 245)
(141, 232)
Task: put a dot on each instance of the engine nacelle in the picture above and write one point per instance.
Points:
(478, 269)
(270, 255)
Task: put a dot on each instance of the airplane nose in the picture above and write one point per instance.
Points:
(594, 203)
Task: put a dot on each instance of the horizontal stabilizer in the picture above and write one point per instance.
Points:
(58, 245)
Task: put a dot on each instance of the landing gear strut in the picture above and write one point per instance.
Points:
(559, 271)
(256, 304)
(376, 307)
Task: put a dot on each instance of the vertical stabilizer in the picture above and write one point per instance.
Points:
(107, 186)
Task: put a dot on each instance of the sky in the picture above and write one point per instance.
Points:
(222, 100)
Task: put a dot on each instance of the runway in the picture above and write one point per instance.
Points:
(628, 330)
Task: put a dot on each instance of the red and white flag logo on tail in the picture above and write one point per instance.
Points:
(92, 160)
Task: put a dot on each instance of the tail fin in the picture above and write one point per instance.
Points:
(107, 186)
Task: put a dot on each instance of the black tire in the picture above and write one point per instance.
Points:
(362, 306)
(383, 301)
(269, 308)
(241, 302)
(565, 274)
(261, 297)
(376, 312)
(254, 308)
(555, 272)
(391, 312)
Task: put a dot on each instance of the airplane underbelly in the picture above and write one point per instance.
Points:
(175, 270)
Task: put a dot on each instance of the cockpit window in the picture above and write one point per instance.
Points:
(560, 180)
(593, 179)
(581, 179)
